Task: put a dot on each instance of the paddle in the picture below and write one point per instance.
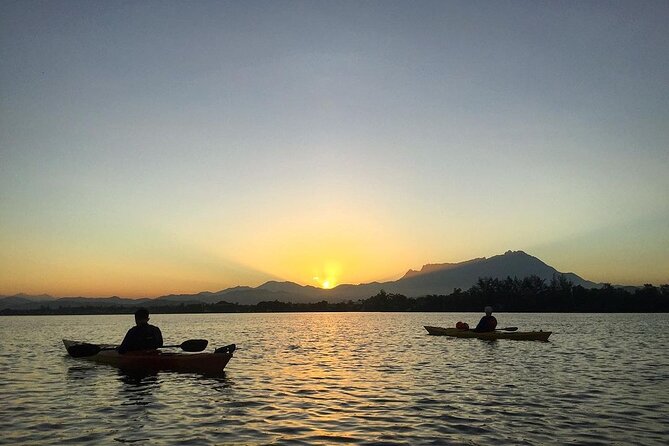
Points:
(85, 349)
(500, 329)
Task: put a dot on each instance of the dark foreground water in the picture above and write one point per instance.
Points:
(345, 378)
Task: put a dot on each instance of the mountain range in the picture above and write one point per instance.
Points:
(440, 278)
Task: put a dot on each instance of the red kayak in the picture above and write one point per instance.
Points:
(158, 360)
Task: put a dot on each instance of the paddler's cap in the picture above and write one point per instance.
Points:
(488, 309)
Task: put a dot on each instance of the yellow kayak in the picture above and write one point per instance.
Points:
(497, 334)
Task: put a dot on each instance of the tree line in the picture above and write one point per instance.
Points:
(530, 294)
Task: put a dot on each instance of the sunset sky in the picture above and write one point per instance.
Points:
(160, 147)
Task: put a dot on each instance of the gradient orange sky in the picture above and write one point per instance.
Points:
(156, 148)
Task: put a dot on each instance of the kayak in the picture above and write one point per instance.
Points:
(491, 335)
(154, 360)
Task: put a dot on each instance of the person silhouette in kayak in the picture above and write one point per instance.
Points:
(142, 336)
(487, 322)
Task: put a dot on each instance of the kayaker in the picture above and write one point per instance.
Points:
(142, 336)
(487, 322)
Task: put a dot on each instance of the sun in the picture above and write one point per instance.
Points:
(327, 274)
(326, 284)
(328, 277)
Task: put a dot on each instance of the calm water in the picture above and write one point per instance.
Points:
(346, 378)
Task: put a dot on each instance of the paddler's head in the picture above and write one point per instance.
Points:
(142, 316)
(488, 310)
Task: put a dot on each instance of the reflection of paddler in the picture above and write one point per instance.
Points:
(487, 322)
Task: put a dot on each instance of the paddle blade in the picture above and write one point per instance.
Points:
(508, 329)
(83, 350)
(194, 345)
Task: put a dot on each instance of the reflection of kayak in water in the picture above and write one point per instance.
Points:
(157, 360)
(497, 334)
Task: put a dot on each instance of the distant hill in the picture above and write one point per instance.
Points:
(22, 300)
(442, 279)
(430, 279)
(435, 267)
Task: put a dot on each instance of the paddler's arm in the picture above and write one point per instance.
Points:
(126, 342)
(481, 325)
(159, 337)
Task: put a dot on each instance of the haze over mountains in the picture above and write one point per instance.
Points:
(431, 279)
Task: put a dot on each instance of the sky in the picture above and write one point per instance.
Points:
(158, 147)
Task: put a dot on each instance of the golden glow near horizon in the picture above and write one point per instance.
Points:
(315, 246)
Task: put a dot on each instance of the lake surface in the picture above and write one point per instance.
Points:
(344, 378)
